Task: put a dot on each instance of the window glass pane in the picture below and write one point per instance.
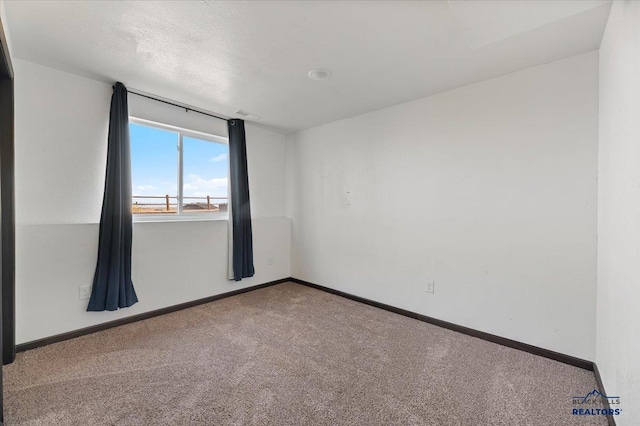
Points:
(205, 169)
(154, 169)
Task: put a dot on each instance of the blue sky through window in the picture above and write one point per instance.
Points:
(205, 167)
(154, 164)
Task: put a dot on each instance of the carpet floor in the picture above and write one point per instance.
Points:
(288, 355)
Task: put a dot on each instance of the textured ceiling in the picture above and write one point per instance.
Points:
(254, 56)
(487, 21)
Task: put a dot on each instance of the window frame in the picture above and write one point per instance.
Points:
(180, 216)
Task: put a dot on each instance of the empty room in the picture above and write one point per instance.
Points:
(320, 212)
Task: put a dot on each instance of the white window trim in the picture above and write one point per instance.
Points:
(186, 217)
(180, 216)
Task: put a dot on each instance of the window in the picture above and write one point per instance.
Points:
(177, 173)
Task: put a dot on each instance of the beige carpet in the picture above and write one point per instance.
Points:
(288, 355)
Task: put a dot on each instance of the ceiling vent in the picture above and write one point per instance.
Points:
(247, 115)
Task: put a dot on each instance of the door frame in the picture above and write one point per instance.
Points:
(7, 218)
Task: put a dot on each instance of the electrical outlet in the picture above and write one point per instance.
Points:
(270, 260)
(85, 292)
(430, 287)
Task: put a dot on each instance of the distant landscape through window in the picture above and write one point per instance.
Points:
(175, 172)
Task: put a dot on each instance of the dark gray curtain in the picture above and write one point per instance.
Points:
(112, 286)
(242, 239)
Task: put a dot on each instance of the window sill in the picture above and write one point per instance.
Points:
(195, 217)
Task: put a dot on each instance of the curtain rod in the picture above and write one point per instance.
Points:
(133, 92)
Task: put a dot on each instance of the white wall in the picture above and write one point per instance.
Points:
(618, 313)
(5, 25)
(61, 142)
(489, 190)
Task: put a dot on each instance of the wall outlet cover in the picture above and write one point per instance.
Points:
(430, 287)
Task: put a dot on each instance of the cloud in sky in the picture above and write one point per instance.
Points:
(146, 188)
(158, 190)
(196, 186)
(219, 158)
